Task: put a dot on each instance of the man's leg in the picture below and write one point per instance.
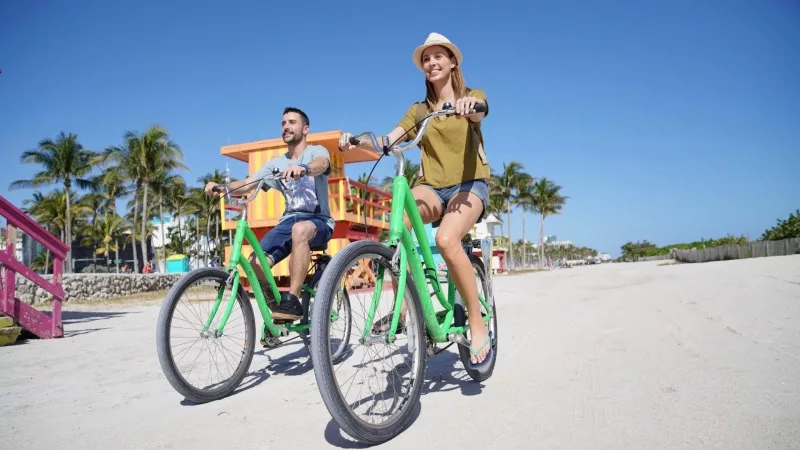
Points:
(276, 245)
(302, 234)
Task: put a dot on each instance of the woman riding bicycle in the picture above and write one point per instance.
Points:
(452, 191)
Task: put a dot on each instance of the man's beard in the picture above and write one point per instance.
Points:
(292, 139)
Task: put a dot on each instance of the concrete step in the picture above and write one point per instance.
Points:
(9, 335)
(6, 321)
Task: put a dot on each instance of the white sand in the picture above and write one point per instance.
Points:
(640, 355)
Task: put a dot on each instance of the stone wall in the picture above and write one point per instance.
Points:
(95, 286)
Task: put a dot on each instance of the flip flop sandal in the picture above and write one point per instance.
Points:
(477, 352)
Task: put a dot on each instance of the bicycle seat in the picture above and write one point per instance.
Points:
(320, 248)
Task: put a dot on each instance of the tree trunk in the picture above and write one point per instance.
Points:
(133, 230)
(216, 241)
(161, 218)
(180, 233)
(46, 261)
(144, 225)
(108, 256)
(208, 238)
(68, 228)
(541, 244)
(197, 238)
(510, 244)
(116, 254)
(524, 242)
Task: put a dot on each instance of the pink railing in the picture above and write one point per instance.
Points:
(39, 323)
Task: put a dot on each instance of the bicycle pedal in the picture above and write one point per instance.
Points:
(270, 342)
(458, 339)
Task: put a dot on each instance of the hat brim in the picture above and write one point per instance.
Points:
(417, 56)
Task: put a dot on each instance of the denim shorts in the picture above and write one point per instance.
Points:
(277, 243)
(445, 194)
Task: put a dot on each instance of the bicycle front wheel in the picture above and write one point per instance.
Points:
(198, 362)
(373, 399)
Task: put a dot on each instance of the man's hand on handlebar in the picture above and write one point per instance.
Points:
(295, 172)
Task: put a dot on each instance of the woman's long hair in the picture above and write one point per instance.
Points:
(456, 79)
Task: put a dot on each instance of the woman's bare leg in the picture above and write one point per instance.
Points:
(461, 214)
(430, 209)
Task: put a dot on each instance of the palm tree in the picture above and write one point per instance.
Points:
(547, 202)
(46, 211)
(524, 200)
(114, 183)
(111, 230)
(177, 204)
(143, 156)
(163, 184)
(411, 172)
(91, 232)
(66, 161)
(497, 204)
(506, 185)
(51, 212)
(209, 206)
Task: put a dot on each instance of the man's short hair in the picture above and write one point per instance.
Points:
(289, 109)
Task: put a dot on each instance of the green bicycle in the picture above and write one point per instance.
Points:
(383, 403)
(193, 303)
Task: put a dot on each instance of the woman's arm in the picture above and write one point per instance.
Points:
(389, 139)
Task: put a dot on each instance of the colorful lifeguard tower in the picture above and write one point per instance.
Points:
(355, 219)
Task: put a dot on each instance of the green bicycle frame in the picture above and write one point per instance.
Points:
(438, 325)
(243, 232)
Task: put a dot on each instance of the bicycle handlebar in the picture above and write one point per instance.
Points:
(447, 110)
(221, 188)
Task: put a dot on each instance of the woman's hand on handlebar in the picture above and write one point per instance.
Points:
(212, 188)
(345, 142)
(465, 105)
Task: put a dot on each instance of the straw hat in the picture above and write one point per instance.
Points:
(436, 39)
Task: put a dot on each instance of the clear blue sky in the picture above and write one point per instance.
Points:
(666, 121)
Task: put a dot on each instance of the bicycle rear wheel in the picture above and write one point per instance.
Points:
(460, 319)
(340, 317)
(383, 404)
(180, 336)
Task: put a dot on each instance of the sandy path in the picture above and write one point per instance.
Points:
(615, 356)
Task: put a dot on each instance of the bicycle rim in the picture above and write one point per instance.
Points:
(372, 394)
(181, 342)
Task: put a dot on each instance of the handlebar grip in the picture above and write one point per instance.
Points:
(479, 107)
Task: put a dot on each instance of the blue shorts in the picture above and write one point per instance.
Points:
(445, 194)
(277, 243)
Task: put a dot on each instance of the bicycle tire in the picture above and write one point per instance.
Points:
(460, 320)
(164, 350)
(324, 367)
(305, 335)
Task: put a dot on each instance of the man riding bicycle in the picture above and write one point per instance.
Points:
(307, 220)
